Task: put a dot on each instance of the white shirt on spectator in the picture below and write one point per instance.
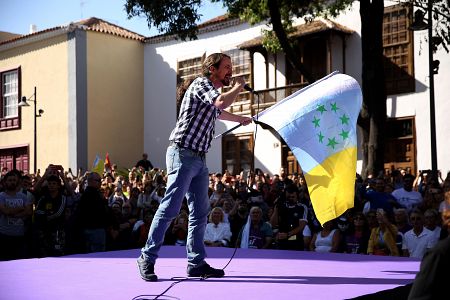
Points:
(417, 245)
(220, 232)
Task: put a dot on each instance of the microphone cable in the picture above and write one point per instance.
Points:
(181, 279)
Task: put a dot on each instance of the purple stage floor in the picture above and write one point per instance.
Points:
(252, 274)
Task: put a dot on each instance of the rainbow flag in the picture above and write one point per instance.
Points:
(318, 123)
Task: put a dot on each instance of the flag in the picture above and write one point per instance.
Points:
(98, 165)
(107, 163)
(318, 123)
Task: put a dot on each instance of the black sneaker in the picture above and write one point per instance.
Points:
(146, 269)
(204, 271)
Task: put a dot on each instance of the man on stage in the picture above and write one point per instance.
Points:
(201, 105)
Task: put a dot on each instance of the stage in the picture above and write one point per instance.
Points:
(252, 274)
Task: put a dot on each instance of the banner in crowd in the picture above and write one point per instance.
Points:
(318, 123)
(98, 165)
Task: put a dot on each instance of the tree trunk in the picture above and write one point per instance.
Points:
(373, 114)
(292, 57)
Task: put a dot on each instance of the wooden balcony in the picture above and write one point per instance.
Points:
(248, 105)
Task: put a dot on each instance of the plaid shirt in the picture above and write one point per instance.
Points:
(196, 122)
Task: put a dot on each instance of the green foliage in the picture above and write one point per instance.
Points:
(170, 17)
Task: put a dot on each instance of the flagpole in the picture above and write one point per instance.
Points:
(228, 131)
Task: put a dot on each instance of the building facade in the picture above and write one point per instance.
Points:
(88, 78)
(105, 89)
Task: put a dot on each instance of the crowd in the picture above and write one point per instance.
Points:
(59, 213)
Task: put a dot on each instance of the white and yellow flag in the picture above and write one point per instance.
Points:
(318, 123)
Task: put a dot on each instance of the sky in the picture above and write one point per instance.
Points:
(16, 16)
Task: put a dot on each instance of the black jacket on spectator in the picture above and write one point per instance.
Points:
(92, 211)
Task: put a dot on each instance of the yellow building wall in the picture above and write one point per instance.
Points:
(44, 65)
(115, 98)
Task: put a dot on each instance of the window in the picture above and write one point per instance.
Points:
(237, 153)
(313, 54)
(400, 145)
(189, 68)
(398, 50)
(9, 110)
(240, 60)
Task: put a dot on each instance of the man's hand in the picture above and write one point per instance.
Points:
(238, 82)
(245, 120)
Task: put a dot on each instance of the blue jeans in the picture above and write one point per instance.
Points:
(187, 176)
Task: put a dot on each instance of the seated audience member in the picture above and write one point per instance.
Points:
(256, 233)
(406, 197)
(307, 236)
(217, 233)
(180, 228)
(144, 199)
(227, 207)
(327, 239)
(118, 196)
(382, 239)
(120, 233)
(432, 197)
(289, 217)
(417, 240)
(357, 239)
(432, 280)
(431, 221)
(238, 218)
(401, 220)
(372, 221)
(141, 229)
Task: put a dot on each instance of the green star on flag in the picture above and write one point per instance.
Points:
(334, 107)
(344, 119)
(344, 134)
(316, 122)
(321, 136)
(322, 109)
(332, 142)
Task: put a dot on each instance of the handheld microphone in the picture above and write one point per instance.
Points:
(249, 89)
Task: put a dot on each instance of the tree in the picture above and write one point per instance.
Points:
(179, 18)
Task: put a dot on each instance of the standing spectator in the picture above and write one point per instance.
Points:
(256, 233)
(290, 217)
(417, 240)
(406, 196)
(93, 215)
(50, 214)
(144, 163)
(15, 208)
(378, 198)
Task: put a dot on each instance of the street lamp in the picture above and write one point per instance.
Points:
(24, 102)
(418, 25)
